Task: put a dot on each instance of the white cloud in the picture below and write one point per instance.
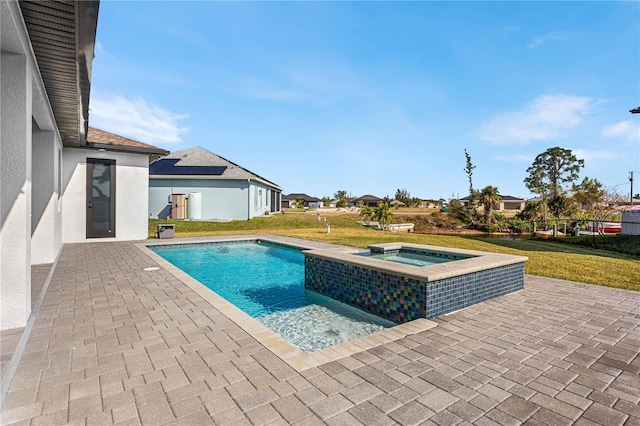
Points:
(625, 129)
(540, 39)
(136, 119)
(543, 119)
(589, 156)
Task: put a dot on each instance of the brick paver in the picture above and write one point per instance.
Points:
(114, 344)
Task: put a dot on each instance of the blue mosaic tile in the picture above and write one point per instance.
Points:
(402, 299)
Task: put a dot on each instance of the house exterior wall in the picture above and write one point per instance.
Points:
(15, 191)
(132, 177)
(631, 222)
(46, 215)
(512, 205)
(221, 199)
(260, 199)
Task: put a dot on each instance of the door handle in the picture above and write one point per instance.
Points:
(90, 205)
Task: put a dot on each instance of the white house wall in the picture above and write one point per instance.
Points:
(46, 216)
(630, 222)
(221, 199)
(132, 176)
(29, 222)
(259, 203)
(15, 175)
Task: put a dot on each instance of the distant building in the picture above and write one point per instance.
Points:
(367, 200)
(197, 184)
(630, 220)
(507, 202)
(288, 201)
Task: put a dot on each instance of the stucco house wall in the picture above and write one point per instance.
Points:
(631, 221)
(46, 204)
(132, 192)
(234, 194)
(221, 199)
(29, 219)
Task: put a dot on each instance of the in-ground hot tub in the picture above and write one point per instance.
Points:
(403, 281)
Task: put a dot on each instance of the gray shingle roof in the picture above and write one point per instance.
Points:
(200, 157)
(305, 197)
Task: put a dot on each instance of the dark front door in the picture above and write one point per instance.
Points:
(101, 198)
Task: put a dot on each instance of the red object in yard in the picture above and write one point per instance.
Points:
(605, 227)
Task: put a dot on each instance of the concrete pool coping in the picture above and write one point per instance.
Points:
(477, 260)
(286, 351)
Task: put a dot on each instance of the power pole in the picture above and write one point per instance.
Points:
(631, 192)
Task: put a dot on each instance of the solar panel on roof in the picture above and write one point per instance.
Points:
(167, 166)
(199, 170)
(162, 166)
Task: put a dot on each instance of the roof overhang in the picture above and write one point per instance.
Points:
(208, 177)
(635, 111)
(129, 149)
(62, 35)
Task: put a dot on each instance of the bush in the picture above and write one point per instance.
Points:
(629, 244)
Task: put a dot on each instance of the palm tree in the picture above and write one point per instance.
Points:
(489, 196)
(366, 212)
(382, 214)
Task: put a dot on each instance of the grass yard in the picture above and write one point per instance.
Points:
(546, 258)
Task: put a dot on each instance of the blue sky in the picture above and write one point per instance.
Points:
(370, 97)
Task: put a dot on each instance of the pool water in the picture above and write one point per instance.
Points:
(267, 282)
(414, 259)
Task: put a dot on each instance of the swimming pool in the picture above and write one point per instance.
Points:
(412, 257)
(267, 282)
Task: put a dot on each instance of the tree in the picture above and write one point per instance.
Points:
(551, 170)
(606, 210)
(382, 214)
(473, 194)
(299, 203)
(557, 205)
(326, 201)
(341, 198)
(404, 196)
(531, 211)
(469, 171)
(489, 196)
(587, 193)
(366, 212)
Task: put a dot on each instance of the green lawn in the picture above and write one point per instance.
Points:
(546, 258)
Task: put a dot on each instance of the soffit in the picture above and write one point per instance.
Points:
(62, 35)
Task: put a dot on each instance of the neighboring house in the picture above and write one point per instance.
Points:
(630, 220)
(426, 204)
(49, 157)
(367, 200)
(507, 202)
(209, 186)
(289, 201)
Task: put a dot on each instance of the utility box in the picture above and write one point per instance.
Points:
(166, 231)
(178, 206)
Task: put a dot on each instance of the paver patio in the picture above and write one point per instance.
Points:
(113, 344)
